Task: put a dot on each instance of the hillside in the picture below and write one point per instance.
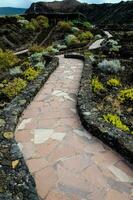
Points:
(55, 6)
(97, 13)
(120, 13)
(11, 11)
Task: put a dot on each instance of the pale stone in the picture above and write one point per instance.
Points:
(82, 133)
(20, 146)
(23, 124)
(59, 93)
(58, 136)
(70, 77)
(73, 110)
(87, 113)
(42, 135)
(122, 176)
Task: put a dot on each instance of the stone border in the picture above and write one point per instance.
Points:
(90, 117)
(16, 181)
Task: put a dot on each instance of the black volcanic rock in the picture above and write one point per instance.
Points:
(121, 13)
(53, 7)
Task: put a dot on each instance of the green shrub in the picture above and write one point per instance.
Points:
(126, 95)
(113, 66)
(71, 40)
(65, 26)
(36, 57)
(42, 21)
(87, 54)
(14, 87)
(15, 71)
(112, 45)
(60, 46)
(114, 82)
(25, 64)
(115, 121)
(7, 59)
(97, 86)
(75, 30)
(30, 73)
(18, 17)
(35, 23)
(40, 65)
(85, 36)
(51, 50)
(36, 48)
(30, 26)
(87, 25)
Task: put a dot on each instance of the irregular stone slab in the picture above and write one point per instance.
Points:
(42, 135)
(22, 125)
(122, 176)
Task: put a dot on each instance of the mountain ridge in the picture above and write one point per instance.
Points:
(7, 11)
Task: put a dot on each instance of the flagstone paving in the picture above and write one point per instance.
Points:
(67, 162)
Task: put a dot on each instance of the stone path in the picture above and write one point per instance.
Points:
(67, 162)
(97, 43)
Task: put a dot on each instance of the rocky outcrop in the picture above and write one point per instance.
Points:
(120, 13)
(55, 6)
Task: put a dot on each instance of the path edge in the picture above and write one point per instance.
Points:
(103, 131)
(13, 165)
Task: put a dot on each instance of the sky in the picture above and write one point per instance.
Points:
(27, 3)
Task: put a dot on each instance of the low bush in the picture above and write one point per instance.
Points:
(27, 25)
(14, 87)
(36, 57)
(7, 59)
(97, 86)
(51, 50)
(112, 45)
(15, 71)
(31, 74)
(30, 26)
(87, 25)
(40, 22)
(25, 64)
(126, 95)
(36, 48)
(43, 22)
(65, 26)
(112, 66)
(71, 40)
(60, 47)
(18, 17)
(114, 82)
(35, 23)
(40, 65)
(116, 121)
(85, 36)
(75, 30)
(87, 54)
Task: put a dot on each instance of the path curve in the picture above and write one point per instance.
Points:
(97, 43)
(67, 162)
